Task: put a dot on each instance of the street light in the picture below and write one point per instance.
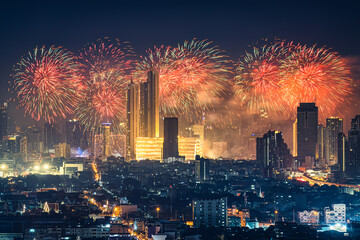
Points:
(3, 166)
(37, 167)
(276, 213)
(46, 166)
(157, 212)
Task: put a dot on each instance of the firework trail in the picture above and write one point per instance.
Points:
(311, 74)
(192, 75)
(46, 83)
(105, 67)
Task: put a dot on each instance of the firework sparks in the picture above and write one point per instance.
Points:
(192, 76)
(46, 83)
(318, 75)
(105, 69)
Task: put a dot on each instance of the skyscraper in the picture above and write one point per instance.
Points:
(353, 162)
(132, 119)
(334, 127)
(106, 134)
(149, 106)
(272, 152)
(202, 169)
(171, 146)
(51, 136)
(3, 119)
(75, 135)
(295, 145)
(307, 122)
(320, 151)
(343, 152)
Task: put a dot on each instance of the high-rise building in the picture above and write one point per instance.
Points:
(3, 119)
(75, 135)
(334, 127)
(149, 106)
(62, 150)
(336, 215)
(210, 212)
(322, 144)
(307, 122)
(132, 119)
(106, 135)
(295, 145)
(171, 145)
(353, 161)
(51, 136)
(272, 152)
(202, 169)
(343, 152)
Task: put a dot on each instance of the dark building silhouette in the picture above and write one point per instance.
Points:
(353, 161)
(75, 135)
(171, 146)
(3, 119)
(202, 169)
(272, 153)
(132, 119)
(51, 136)
(307, 122)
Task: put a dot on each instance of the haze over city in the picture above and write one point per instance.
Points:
(179, 120)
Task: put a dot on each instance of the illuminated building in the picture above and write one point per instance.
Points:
(62, 150)
(149, 148)
(295, 145)
(149, 106)
(98, 145)
(106, 141)
(343, 152)
(199, 131)
(13, 143)
(234, 214)
(24, 148)
(321, 142)
(189, 147)
(171, 138)
(132, 119)
(309, 217)
(210, 212)
(334, 126)
(337, 215)
(307, 122)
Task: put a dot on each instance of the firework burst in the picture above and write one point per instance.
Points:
(192, 75)
(105, 69)
(311, 74)
(46, 83)
(258, 78)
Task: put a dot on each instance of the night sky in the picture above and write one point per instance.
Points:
(231, 25)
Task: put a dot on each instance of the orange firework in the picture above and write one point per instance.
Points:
(311, 74)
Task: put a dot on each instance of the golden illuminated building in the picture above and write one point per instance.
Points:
(106, 141)
(294, 152)
(62, 150)
(189, 147)
(132, 119)
(149, 148)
